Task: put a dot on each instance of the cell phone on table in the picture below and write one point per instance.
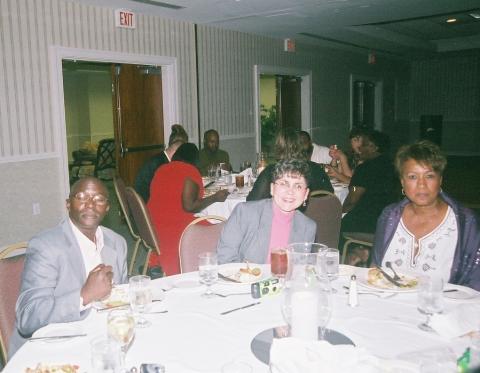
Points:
(152, 368)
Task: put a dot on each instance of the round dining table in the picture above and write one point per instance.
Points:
(194, 335)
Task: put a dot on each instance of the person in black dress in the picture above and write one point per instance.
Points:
(288, 146)
(372, 187)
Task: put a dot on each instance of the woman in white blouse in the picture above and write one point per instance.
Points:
(428, 232)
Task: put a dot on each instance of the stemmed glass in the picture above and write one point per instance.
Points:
(140, 294)
(208, 272)
(331, 260)
(121, 328)
(430, 299)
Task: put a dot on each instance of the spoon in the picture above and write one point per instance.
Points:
(396, 277)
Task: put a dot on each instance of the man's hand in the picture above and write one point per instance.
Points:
(221, 195)
(98, 284)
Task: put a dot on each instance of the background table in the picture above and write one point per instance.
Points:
(194, 337)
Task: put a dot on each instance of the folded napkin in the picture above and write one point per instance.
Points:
(246, 172)
(293, 355)
(457, 322)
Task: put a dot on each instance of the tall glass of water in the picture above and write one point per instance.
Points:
(208, 272)
(331, 260)
(140, 293)
(430, 299)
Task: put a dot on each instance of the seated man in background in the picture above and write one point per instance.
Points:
(178, 136)
(315, 153)
(71, 265)
(211, 155)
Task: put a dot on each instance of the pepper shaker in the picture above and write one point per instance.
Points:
(352, 293)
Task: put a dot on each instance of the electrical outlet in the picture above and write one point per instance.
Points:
(36, 208)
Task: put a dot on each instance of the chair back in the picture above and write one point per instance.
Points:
(121, 192)
(196, 239)
(326, 210)
(11, 268)
(105, 156)
(143, 222)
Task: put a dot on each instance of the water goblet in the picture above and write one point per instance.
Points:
(121, 328)
(331, 260)
(208, 272)
(430, 299)
(140, 294)
(106, 356)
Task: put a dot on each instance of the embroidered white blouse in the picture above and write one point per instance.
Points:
(435, 250)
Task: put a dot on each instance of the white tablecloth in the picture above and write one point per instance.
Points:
(194, 337)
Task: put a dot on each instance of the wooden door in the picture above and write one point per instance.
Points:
(138, 116)
(289, 101)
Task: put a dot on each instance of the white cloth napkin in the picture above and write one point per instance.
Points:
(246, 172)
(293, 355)
(459, 321)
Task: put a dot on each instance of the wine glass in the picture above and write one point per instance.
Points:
(430, 299)
(208, 272)
(331, 260)
(106, 355)
(121, 327)
(140, 294)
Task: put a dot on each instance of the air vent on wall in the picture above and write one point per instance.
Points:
(160, 4)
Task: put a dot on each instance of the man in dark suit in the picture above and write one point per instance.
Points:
(71, 265)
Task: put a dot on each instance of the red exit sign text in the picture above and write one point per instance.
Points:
(124, 18)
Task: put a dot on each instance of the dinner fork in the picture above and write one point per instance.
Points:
(227, 295)
(396, 277)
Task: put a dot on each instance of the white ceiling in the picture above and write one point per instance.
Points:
(405, 28)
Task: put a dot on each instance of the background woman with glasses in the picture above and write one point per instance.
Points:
(257, 227)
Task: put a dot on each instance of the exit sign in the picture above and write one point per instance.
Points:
(125, 18)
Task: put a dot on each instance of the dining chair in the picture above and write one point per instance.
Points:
(359, 238)
(143, 222)
(197, 238)
(105, 156)
(12, 259)
(326, 210)
(120, 190)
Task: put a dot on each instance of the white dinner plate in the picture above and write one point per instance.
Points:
(460, 293)
(187, 283)
(118, 297)
(387, 287)
(54, 330)
(232, 270)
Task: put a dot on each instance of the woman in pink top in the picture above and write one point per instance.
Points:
(255, 227)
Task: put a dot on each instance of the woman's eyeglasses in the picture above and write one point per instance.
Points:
(285, 185)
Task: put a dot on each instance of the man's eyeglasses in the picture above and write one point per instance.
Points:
(97, 199)
(285, 185)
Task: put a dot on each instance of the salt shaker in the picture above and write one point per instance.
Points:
(352, 293)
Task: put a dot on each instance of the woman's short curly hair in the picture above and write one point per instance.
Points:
(293, 167)
(424, 152)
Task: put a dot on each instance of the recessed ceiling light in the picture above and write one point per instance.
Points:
(475, 15)
(451, 20)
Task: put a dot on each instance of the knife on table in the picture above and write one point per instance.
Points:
(390, 278)
(226, 278)
(53, 337)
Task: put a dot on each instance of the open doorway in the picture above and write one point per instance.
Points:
(282, 99)
(59, 54)
(114, 118)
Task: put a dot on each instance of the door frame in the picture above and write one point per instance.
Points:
(56, 56)
(306, 95)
